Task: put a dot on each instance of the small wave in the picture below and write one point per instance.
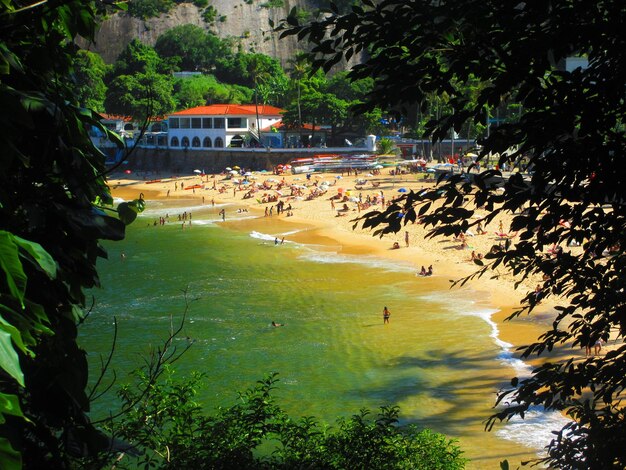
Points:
(369, 261)
(262, 236)
(506, 357)
(205, 222)
(535, 430)
(158, 209)
(291, 232)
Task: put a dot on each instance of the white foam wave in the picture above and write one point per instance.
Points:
(291, 232)
(505, 356)
(262, 236)
(157, 209)
(205, 222)
(535, 430)
(370, 261)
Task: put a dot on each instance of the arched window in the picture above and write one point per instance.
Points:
(207, 142)
(236, 141)
(185, 142)
(174, 142)
(195, 142)
(219, 142)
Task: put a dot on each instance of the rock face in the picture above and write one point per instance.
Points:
(245, 20)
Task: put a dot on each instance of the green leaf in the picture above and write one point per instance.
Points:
(9, 360)
(10, 264)
(10, 458)
(9, 405)
(41, 256)
(126, 214)
(16, 336)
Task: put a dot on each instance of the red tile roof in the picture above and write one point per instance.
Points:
(230, 110)
(282, 125)
(115, 117)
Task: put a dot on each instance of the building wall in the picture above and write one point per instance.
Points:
(226, 134)
(213, 161)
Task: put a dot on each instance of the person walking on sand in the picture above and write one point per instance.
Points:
(406, 238)
(386, 315)
(597, 347)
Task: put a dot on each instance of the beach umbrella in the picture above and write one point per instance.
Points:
(236, 168)
(354, 199)
(197, 171)
(430, 170)
(228, 168)
(378, 167)
(340, 190)
(338, 177)
(233, 172)
(402, 190)
(247, 173)
(128, 172)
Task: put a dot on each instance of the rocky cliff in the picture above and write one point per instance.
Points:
(245, 20)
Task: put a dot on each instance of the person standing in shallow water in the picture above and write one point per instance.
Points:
(386, 315)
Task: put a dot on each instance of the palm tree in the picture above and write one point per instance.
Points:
(299, 69)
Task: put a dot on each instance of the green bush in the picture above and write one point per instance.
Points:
(273, 4)
(171, 430)
(209, 14)
(144, 9)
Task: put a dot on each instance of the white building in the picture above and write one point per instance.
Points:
(220, 125)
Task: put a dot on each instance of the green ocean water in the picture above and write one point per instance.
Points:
(439, 359)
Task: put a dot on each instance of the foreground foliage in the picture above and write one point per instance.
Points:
(570, 129)
(171, 431)
(52, 218)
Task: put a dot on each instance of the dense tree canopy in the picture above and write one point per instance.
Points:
(141, 84)
(248, 69)
(196, 49)
(205, 89)
(569, 126)
(89, 73)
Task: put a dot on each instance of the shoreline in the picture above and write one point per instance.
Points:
(322, 227)
(448, 259)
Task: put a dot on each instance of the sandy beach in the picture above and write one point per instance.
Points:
(446, 255)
